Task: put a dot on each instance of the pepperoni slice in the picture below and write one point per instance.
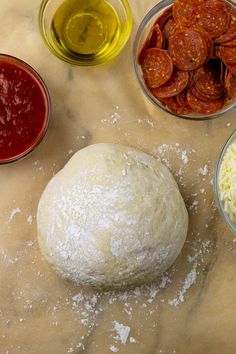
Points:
(222, 72)
(169, 29)
(209, 86)
(157, 67)
(188, 49)
(208, 40)
(198, 94)
(230, 43)
(191, 78)
(176, 84)
(154, 40)
(213, 17)
(231, 32)
(174, 106)
(181, 99)
(195, 74)
(165, 16)
(226, 100)
(227, 54)
(203, 107)
(185, 11)
(230, 84)
(232, 68)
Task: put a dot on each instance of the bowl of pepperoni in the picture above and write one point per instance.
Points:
(185, 57)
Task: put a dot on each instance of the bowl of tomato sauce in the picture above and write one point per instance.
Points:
(24, 109)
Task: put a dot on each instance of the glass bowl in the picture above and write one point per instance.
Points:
(219, 202)
(122, 32)
(36, 81)
(140, 38)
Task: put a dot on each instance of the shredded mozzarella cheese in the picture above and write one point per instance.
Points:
(227, 182)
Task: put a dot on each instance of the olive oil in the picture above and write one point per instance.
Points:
(85, 28)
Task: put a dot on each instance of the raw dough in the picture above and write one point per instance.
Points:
(113, 216)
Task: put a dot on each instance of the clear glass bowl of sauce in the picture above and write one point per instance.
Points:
(24, 109)
(87, 32)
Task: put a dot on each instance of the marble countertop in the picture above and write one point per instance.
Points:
(190, 309)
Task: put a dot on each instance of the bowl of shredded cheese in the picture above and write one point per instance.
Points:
(225, 182)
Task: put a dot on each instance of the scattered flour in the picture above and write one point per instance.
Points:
(188, 282)
(203, 170)
(30, 219)
(85, 322)
(184, 157)
(38, 167)
(179, 160)
(191, 277)
(194, 205)
(114, 349)
(147, 121)
(115, 117)
(122, 332)
(88, 306)
(175, 155)
(70, 152)
(13, 214)
(182, 154)
(78, 298)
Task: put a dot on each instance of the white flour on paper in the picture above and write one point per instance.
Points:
(113, 118)
(188, 282)
(175, 154)
(145, 296)
(29, 219)
(147, 121)
(13, 213)
(203, 170)
(122, 332)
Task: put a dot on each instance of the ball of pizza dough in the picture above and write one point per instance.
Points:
(112, 217)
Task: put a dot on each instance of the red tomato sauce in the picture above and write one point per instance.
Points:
(23, 109)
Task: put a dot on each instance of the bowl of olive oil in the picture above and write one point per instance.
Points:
(85, 32)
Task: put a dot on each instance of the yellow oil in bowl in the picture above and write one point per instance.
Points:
(85, 28)
(85, 32)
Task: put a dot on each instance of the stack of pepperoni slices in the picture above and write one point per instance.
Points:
(189, 57)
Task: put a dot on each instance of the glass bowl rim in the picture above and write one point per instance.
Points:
(219, 160)
(78, 62)
(45, 91)
(161, 6)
